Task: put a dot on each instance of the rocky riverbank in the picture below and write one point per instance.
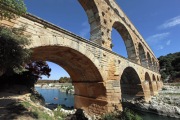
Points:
(167, 103)
(66, 87)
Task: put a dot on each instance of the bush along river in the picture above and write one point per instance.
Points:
(58, 96)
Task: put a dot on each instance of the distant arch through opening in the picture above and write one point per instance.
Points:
(130, 84)
(130, 48)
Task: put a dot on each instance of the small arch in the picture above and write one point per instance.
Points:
(149, 60)
(142, 55)
(148, 79)
(154, 78)
(158, 78)
(118, 43)
(125, 34)
(157, 66)
(153, 64)
(130, 84)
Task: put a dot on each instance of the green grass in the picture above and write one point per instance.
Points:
(26, 109)
(37, 112)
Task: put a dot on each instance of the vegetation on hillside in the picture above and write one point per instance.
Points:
(170, 66)
(65, 80)
(17, 7)
(127, 114)
(13, 53)
(12, 40)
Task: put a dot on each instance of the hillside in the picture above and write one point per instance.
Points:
(170, 67)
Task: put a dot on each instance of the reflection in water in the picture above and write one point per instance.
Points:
(56, 96)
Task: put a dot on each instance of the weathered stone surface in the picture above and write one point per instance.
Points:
(101, 77)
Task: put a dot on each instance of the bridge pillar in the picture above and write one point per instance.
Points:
(154, 86)
(158, 85)
(113, 93)
(97, 98)
(147, 93)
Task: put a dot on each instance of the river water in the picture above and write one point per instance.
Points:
(57, 97)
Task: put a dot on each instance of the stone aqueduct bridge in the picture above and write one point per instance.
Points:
(101, 77)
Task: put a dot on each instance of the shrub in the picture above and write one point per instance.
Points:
(37, 98)
(127, 114)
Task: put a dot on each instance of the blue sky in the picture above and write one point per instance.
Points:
(158, 21)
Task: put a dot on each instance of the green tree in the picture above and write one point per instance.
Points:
(10, 8)
(170, 66)
(13, 51)
(38, 68)
(65, 80)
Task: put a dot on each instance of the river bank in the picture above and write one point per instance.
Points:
(63, 87)
(167, 103)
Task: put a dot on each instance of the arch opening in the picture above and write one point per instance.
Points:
(85, 76)
(118, 43)
(56, 72)
(149, 61)
(153, 64)
(148, 79)
(130, 85)
(92, 12)
(142, 55)
(130, 48)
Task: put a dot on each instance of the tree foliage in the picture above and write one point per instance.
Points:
(13, 53)
(10, 8)
(38, 68)
(65, 80)
(170, 66)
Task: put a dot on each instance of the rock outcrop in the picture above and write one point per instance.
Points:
(167, 103)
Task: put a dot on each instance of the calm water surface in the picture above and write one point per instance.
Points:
(62, 97)
(68, 100)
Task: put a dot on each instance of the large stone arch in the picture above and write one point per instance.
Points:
(142, 55)
(86, 78)
(148, 79)
(79, 66)
(125, 34)
(130, 84)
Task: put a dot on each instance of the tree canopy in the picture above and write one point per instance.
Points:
(13, 53)
(38, 68)
(10, 8)
(170, 66)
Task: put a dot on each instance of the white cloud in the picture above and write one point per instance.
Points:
(168, 42)
(170, 23)
(160, 47)
(157, 37)
(86, 29)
